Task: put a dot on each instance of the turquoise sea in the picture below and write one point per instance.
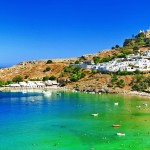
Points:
(31, 121)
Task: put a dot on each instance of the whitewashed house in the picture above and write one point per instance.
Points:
(14, 85)
(146, 54)
(31, 84)
(23, 84)
(39, 84)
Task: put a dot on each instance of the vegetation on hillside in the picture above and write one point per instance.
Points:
(49, 62)
(47, 69)
(140, 83)
(74, 73)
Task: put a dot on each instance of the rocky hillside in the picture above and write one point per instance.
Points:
(81, 79)
(37, 69)
(31, 70)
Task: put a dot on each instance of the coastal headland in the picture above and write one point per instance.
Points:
(117, 70)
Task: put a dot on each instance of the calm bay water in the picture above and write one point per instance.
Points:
(34, 121)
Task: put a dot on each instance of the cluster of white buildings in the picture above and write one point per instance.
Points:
(130, 63)
(35, 84)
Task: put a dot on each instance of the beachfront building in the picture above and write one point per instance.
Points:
(35, 84)
(31, 84)
(40, 84)
(14, 85)
(23, 84)
(53, 83)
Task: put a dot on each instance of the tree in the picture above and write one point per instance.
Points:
(83, 74)
(113, 47)
(77, 62)
(17, 79)
(139, 77)
(135, 48)
(47, 69)
(45, 78)
(94, 71)
(117, 46)
(114, 78)
(74, 77)
(147, 80)
(49, 62)
(52, 78)
(96, 59)
(136, 87)
(106, 59)
(121, 83)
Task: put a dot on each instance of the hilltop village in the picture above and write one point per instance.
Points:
(131, 63)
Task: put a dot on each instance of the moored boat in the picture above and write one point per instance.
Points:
(121, 134)
(116, 125)
(95, 115)
(116, 104)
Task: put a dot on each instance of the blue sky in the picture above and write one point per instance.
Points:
(45, 29)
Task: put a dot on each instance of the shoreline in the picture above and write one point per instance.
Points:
(39, 89)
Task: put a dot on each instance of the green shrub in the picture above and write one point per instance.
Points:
(136, 87)
(121, 83)
(35, 79)
(139, 77)
(114, 78)
(135, 48)
(74, 77)
(49, 62)
(94, 71)
(47, 69)
(147, 80)
(96, 59)
(77, 62)
(17, 79)
(52, 78)
(45, 78)
(117, 46)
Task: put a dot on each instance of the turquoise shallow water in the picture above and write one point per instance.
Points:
(33, 121)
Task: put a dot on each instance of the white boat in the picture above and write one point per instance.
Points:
(145, 104)
(47, 93)
(116, 104)
(121, 134)
(95, 115)
(116, 125)
(24, 91)
(138, 107)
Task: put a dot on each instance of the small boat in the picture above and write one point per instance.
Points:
(24, 91)
(145, 104)
(95, 115)
(120, 134)
(116, 104)
(47, 93)
(116, 125)
(138, 107)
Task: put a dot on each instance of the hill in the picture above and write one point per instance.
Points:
(68, 74)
